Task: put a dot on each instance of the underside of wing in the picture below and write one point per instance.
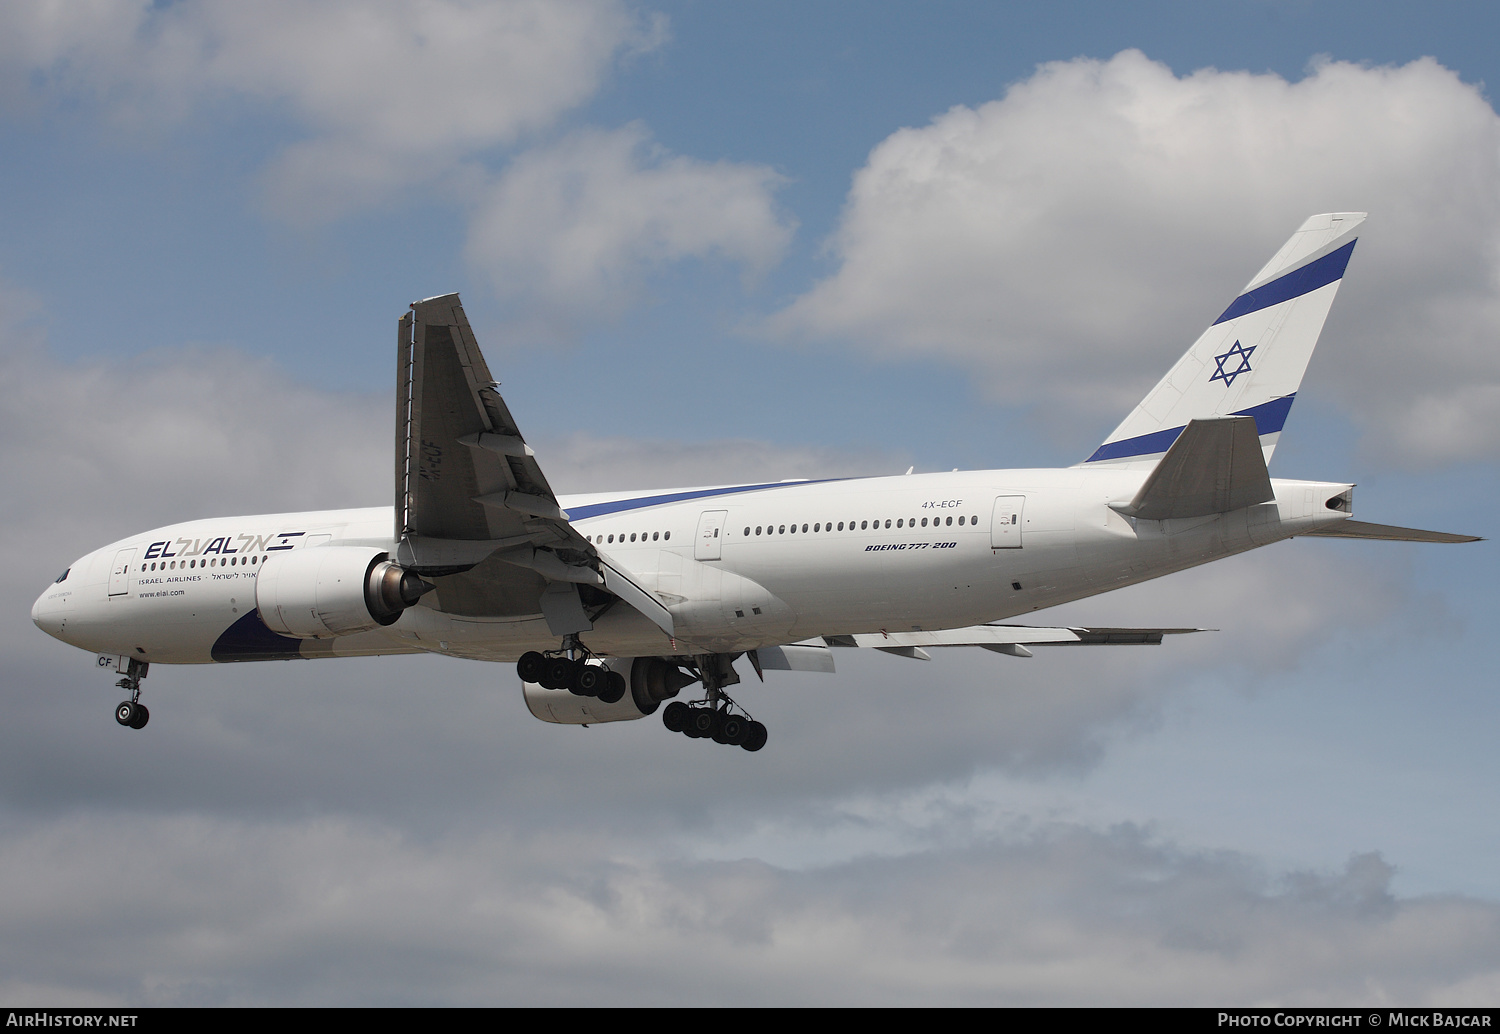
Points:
(1007, 639)
(474, 512)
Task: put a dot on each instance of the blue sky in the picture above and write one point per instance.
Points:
(705, 241)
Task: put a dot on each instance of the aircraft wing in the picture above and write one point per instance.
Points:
(1007, 639)
(474, 512)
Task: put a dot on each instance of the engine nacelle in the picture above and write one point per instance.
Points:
(328, 591)
(650, 680)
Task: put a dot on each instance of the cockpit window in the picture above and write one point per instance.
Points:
(62, 577)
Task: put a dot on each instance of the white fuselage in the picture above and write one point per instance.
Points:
(919, 552)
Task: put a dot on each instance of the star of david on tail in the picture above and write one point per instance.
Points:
(1228, 376)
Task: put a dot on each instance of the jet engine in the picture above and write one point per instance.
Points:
(328, 591)
(651, 680)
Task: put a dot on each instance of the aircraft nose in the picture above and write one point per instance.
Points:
(47, 615)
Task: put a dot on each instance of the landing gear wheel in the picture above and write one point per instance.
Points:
(732, 730)
(716, 731)
(141, 718)
(676, 716)
(613, 689)
(125, 712)
(588, 679)
(531, 666)
(700, 723)
(755, 736)
(557, 673)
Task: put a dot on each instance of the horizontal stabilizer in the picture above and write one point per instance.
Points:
(1008, 635)
(1361, 530)
(1214, 466)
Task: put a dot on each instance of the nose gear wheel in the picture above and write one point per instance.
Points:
(132, 713)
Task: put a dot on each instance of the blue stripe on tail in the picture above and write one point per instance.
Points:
(1270, 417)
(1294, 285)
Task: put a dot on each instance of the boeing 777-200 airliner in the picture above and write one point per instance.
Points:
(610, 604)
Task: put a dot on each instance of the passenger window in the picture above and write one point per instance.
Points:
(898, 524)
(757, 529)
(668, 534)
(656, 535)
(863, 525)
(632, 536)
(960, 522)
(781, 530)
(747, 532)
(887, 524)
(950, 522)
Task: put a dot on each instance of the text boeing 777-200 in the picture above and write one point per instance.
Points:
(610, 604)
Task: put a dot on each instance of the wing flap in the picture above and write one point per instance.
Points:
(622, 585)
(1008, 635)
(813, 656)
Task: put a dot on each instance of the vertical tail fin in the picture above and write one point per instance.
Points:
(1251, 360)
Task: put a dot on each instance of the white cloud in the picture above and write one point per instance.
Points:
(195, 910)
(587, 463)
(380, 96)
(574, 227)
(101, 449)
(1069, 240)
(389, 92)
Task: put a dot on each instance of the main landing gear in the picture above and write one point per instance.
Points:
(572, 668)
(714, 718)
(132, 712)
(704, 721)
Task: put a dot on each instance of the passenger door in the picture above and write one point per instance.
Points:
(1006, 522)
(709, 544)
(119, 572)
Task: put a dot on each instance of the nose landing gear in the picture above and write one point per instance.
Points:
(132, 712)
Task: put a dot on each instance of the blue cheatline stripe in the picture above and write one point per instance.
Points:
(1270, 417)
(579, 513)
(1294, 285)
(248, 639)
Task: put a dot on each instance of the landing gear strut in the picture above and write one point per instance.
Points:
(132, 712)
(570, 668)
(714, 718)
